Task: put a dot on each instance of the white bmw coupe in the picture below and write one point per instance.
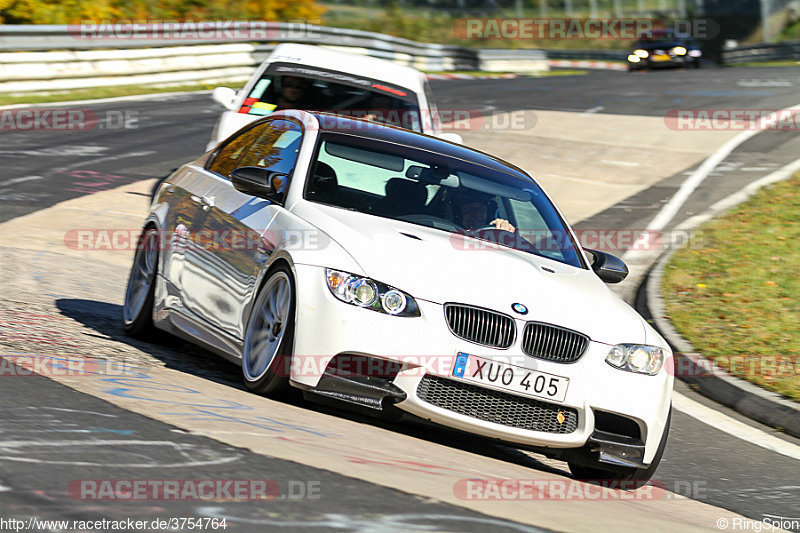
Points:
(374, 266)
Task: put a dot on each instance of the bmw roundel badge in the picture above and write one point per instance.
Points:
(519, 308)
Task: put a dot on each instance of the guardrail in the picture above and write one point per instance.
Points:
(22, 72)
(786, 51)
(601, 55)
(119, 36)
(36, 58)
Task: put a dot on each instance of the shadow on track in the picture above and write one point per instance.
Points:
(105, 319)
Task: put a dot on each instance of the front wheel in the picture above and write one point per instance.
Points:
(269, 336)
(624, 473)
(137, 312)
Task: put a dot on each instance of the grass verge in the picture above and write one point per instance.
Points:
(95, 93)
(735, 292)
(787, 63)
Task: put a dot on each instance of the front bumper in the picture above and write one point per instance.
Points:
(424, 345)
(670, 61)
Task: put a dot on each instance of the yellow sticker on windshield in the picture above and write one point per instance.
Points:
(262, 108)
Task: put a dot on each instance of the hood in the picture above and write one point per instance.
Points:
(440, 267)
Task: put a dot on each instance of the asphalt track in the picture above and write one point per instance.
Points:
(45, 168)
(35, 471)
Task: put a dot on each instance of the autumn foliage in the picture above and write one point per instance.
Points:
(77, 11)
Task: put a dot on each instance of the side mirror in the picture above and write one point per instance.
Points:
(608, 268)
(258, 181)
(225, 96)
(451, 137)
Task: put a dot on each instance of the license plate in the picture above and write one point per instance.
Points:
(661, 58)
(509, 377)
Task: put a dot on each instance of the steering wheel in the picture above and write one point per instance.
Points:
(487, 227)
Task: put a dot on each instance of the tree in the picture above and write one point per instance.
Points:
(77, 11)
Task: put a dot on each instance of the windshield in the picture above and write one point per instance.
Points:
(290, 86)
(432, 190)
(664, 41)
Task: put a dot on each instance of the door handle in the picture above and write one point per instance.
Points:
(206, 202)
(265, 244)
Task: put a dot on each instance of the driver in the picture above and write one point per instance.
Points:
(472, 211)
(378, 108)
(293, 93)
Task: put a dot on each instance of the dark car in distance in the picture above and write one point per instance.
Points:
(664, 49)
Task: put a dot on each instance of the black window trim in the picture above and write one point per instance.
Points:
(210, 161)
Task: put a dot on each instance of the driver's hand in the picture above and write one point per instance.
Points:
(503, 224)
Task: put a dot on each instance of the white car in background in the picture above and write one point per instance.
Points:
(333, 82)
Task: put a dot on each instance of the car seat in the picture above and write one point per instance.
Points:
(323, 185)
(403, 197)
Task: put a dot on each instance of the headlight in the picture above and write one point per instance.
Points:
(370, 294)
(636, 358)
(695, 53)
(362, 291)
(641, 53)
(679, 51)
(633, 59)
(394, 302)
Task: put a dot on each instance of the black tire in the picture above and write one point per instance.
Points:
(622, 473)
(137, 311)
(273, 379)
